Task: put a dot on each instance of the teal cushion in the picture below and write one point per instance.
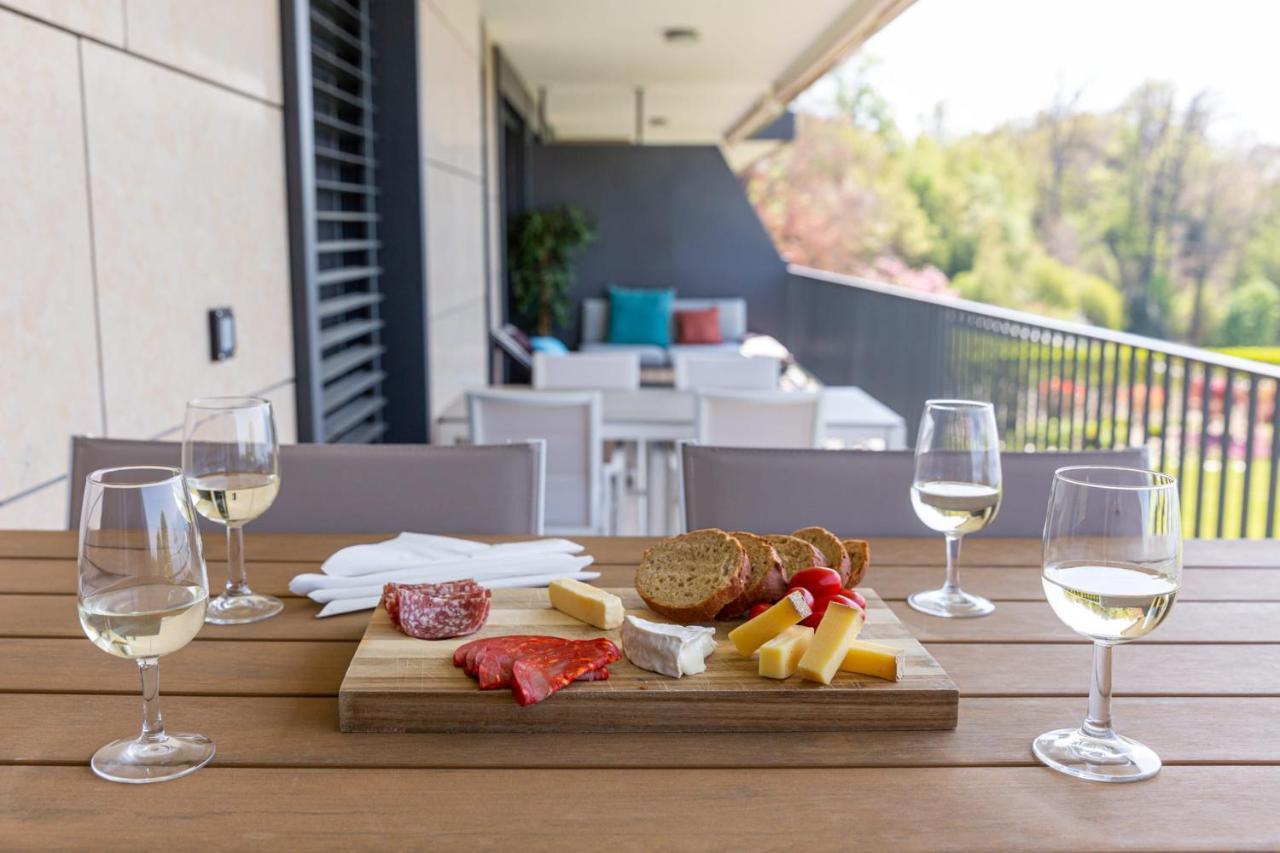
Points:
(551, 346)
(640, 316)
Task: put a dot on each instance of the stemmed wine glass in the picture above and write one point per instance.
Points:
(956, 491)
(230, 458)
(141, 593)
(1112, 569)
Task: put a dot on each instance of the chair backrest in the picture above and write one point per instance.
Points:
(855, 492)
(586, 370)
(570, 423)
(725, 371)
(759, 419)
(381, 488)
(732, 311)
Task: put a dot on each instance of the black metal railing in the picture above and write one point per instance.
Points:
(1206, 418)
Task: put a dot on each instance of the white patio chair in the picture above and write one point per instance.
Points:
(855, 492)
(379, 488)
(581, 490)
(710, 372)
(759, 419)
(586, 370)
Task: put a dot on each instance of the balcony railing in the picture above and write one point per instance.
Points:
(1207, 419)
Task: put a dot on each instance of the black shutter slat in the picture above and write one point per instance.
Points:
(348, 302)
(349, 387)
(345, 332)
(344, 362)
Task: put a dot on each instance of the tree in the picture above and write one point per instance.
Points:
(543, 244)
(1253, 315)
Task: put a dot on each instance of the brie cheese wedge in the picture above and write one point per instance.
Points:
(673, 650)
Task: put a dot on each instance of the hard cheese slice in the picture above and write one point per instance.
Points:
(780, 656)
(751, 635)
(839, 628)
(874, 659)
(588, 603)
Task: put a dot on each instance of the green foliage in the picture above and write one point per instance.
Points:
(1253, 315)
(1268, 355)
(542, 246)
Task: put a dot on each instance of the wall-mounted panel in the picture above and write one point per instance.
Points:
(450, 95)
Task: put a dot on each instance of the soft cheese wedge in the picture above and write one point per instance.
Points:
(780, 656)
(751, 635)
(838, 628)
(673, 650)
(875, 659)
(587, 603)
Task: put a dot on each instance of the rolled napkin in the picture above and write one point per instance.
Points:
(352, 578)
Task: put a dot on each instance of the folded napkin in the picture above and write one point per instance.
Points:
(352, 578)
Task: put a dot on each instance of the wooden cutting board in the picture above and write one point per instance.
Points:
(399, 684)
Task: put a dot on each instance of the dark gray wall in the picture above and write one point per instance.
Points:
(668, 216)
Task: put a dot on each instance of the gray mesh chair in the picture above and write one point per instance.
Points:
(855, 492)
(379, 488)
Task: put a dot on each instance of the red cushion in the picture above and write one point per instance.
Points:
(699, 327)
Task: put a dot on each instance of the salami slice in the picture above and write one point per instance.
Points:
(429, 616)
(501, 652)
(537, 676)
(391, 593)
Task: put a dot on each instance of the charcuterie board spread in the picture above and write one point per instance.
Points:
(397, 683)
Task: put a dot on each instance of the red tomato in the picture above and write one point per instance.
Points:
(818, 580)
(757, 609)
(857, 598)
(821, 605)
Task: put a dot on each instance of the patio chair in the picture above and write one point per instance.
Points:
(711, 372)
(581, 490)
(380, 488)
(759, 419)
(586, 370)
(855, 492)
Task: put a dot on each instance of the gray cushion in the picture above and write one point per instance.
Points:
(650, 354)
(726, 348)
(733, 317)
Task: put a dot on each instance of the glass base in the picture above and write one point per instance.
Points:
(239, 609)
(1098, 759)
(950, 604)
(138, 762)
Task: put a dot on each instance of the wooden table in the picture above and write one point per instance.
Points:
(1203, 691)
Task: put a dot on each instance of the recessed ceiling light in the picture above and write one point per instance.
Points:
(658, 121)
(680, 35)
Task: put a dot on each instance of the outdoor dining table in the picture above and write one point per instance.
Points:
(1204, 692)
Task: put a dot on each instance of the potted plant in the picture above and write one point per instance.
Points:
(543, 244)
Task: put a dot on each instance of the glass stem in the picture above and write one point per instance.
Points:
(152, 722)
(237, 583)
(952, 583)
(1098, 722)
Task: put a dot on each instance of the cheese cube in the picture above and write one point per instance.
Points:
(839, 627)
(780, 656)
(874, 659)
(753, 634)
(588, 603)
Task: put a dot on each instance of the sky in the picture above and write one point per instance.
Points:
(991, 61)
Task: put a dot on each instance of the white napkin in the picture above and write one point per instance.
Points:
(352, 578)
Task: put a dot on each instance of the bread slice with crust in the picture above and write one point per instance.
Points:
(859, 559)
(689, 578)
(829, 544)
(796, 554)
(765, 581)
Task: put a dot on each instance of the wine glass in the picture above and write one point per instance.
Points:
(141, 594)
(956, 491)
(230, 459)
(1112, 568)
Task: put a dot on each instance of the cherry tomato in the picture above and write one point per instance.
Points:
(821, 605)
(757, 609)
(818, 580)
(857, 598)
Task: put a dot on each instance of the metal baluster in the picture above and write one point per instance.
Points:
(1182, 434)
(1224, 443)
(1115, 394)
(1275, 461)
(1130, 381)
(1146, 398)
(1071, 405)
(1088, 391)
(1205, 395)
(1052, 412)
(1248, 458)
(1164, 411)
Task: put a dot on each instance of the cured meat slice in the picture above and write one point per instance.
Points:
(537, 676)
(501, 652)
(391, 593)
(437, 617)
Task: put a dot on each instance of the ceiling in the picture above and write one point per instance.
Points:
(751, 57)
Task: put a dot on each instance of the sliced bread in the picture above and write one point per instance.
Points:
(689, 578)
(765, 581)
(827, 542)
(859, 559)
(796, 554)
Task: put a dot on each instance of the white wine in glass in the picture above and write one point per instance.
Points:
(142, 593)
(1112, 570)
(956, 491)
(230, 458)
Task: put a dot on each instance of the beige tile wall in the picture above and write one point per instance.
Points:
(109, 271)
(450, 47)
